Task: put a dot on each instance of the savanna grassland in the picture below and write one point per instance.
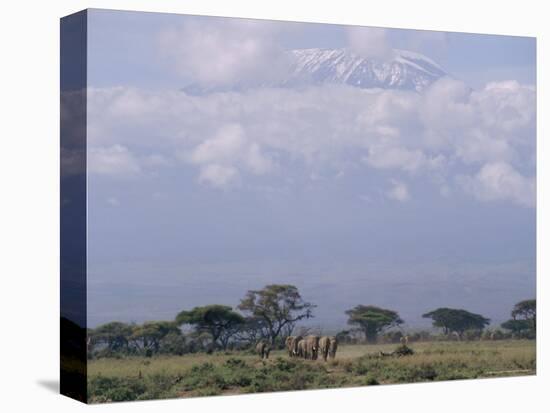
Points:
(224, 373)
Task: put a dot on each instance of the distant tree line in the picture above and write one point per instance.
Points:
(273, 313)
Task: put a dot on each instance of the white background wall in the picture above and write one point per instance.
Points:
(29, 155)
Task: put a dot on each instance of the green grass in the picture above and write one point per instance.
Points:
(139, 378)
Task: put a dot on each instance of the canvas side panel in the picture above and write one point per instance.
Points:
(73, 205)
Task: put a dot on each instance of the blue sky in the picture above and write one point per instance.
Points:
(120, 41)
(395, 198)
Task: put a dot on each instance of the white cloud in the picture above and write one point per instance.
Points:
(226, 145)
(223, 155)
(256, 161)
(501, 182)
(222, 52)
(399, 191)
(369, 42)
(508, 107)
(480, 145)
(325, 130)
(218, 175)
(114, 160)
(387, 157)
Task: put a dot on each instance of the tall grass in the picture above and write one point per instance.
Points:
(137, 378)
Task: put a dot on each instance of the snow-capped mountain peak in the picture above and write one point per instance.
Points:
(404, 70)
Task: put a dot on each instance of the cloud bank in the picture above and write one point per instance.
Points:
(480, 143)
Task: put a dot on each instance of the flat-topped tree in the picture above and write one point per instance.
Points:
(279, 306)
(517, 327)
(524, 319)
(526, 310)
(151, 333)
(453, 320)
(373, 320)
(219, 321)
(115, 335)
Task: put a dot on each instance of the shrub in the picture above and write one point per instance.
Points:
(202, 368)
(116, 389)
(424, 372)
(404, 350)
(208, 391)
(360, 369)
(347, 366)
(284, 364)
(235, 362)
(371, 381)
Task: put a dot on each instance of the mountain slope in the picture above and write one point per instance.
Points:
(405, 70)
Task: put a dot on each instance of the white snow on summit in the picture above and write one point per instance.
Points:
(405, 70)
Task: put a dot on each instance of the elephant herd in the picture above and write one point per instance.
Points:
(308, 347)
(311, 347)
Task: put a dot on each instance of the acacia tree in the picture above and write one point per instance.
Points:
(456, 320)
(252, 330)
(115, 335)
(151, 333)
(524, 319)
(517, 327)
(526, 310)
(372, 320)
(278, 306)
(219, 321)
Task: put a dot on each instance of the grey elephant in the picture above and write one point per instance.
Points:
(263, 348)
(324, 344)
(288, 345)
(301, 348)
(292, 345)
(312, 347)
(333, 347)
(327, 347)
